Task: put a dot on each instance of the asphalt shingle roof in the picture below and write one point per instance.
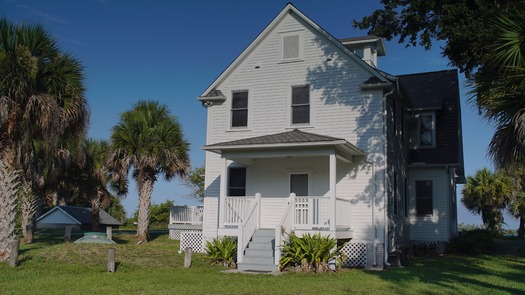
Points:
(428, 90)
(83, 215)
(294, 136)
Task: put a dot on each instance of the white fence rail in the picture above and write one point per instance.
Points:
(248, 227)
(186, 215)
(236, 209)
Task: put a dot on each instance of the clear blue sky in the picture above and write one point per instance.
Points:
(170, 51)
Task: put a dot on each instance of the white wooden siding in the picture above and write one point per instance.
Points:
(210, 221)
(339, 108)
(434, 227)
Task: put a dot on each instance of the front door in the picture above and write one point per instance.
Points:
(299, 184)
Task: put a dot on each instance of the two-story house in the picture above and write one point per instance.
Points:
(305, 134)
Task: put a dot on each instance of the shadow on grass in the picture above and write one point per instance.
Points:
(453, 273)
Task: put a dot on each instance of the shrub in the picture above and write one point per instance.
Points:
(310, 253)
(474, 241)
(223, 250)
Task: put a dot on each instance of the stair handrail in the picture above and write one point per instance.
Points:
(248, 227)
(287, 222)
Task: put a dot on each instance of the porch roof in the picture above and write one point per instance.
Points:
(289, 139)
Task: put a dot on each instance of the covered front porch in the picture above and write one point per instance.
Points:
(284, 182)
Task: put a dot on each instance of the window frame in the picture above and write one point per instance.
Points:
(432, 130)
(292, 105)
(230, 187)
(233, 110)
(282, 36)
(416, 198)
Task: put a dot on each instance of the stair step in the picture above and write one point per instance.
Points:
(260, 246)
(264, 233)
(258, 260)
(258, 252)
(263, 239)
(256, 267)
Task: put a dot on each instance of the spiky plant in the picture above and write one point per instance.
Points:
(222, 250)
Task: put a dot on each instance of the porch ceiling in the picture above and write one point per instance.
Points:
(286, 144)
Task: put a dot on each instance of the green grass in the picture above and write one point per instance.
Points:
(50, 266)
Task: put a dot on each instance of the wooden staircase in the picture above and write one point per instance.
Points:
(259, 255)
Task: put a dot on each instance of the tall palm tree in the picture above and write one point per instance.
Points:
(487, 193)
(41, 100)
(499, 89)
(9, 186)
(151, 141)
(516, 203)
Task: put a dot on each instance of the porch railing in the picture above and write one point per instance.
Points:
(186, 215)
(248, 226)
(286, 223)
(237, 209)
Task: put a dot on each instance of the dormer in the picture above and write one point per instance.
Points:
(368, 48)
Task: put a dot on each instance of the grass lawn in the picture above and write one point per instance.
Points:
(50, 266)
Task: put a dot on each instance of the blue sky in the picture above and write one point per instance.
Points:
(170, 51)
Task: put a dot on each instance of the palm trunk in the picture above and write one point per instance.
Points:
(8, 201)
(95, 209)
(29, 205)
(145, 191)
(521, 229)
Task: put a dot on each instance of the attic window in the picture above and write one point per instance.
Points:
(427, 130)
(291, 49)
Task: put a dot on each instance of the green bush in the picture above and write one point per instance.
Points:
(474, 241)
(310, 253)
(223, 250)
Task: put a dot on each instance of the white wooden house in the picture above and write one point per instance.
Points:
(305, 134)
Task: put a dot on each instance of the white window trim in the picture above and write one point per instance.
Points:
(309, 172)
(414, 204)
(433, 114)
(239, 128)
(281, 46)
(289, 106)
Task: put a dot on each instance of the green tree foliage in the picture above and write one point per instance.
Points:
(42, 108)
(116, 209)
(463, 25)
(149, 140)
(487, 194)
(159, 216)
(499, 89)
(195, 181)
(516, 202)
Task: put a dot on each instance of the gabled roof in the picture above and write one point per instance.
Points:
(289, 8)
(426, 91)
(81, 215)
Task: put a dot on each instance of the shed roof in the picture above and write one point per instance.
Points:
(83, 215)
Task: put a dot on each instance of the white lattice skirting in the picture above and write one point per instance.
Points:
(191, 239)
(175, 234)
(356, 254)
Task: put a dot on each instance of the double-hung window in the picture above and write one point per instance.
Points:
(239, 116)
(300, 104)
(424, 197)
(237, 181)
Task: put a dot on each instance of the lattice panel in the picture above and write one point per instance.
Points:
(355, 254)
(192, 239)
(175, 234)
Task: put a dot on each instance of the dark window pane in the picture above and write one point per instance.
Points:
(291, 47)
(299, 184)
(301, 114)
(240, 100)
(239, 118)
(301, 95)
(424, 197)
(237, 181)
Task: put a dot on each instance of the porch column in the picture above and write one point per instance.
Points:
(333, 182)
(222, 191)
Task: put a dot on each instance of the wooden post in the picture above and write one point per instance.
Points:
(187, 257)
(13, 255)
(111, 259)
(67, 233)
(109, 232)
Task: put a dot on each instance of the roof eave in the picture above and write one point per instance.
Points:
(371, 86)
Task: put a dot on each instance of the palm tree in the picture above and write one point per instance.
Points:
(151, 141)
(9, 185)
(499, 87)
(96, 178)
(487, 193)
(41, 101)
(516, 203)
